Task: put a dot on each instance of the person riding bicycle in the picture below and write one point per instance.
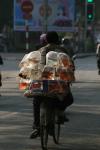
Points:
(98, 57)
(68, 45)
(52, 39)
(43, 41)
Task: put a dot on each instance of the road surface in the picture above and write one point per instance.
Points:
(81, 132)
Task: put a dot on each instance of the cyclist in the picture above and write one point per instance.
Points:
(68, 45)
(98, 57)
(43, 41)
(52, 39)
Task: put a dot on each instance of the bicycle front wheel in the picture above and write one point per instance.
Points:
(56, 135)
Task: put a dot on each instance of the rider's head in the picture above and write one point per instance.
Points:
(43, 39)
(52, 37)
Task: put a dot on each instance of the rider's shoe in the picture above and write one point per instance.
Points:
(35, 133)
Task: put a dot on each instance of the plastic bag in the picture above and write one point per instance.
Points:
(24, 84)
(63, 60)
(32, 57)
(30, 65)
(48, 73)
(65, 67)
(65, 74)
(24, 61)
(51, 58)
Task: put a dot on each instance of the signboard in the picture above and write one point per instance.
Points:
(60, 15)
(27, 6)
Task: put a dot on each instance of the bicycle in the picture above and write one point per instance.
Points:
(49, 111)
(48, 122)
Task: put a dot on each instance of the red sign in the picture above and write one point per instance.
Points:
(27, 6)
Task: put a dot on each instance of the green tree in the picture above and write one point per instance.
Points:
(6, 13)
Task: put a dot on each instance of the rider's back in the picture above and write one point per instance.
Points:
(49, 47)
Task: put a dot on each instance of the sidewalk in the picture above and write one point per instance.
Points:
(19, 56)
(12, 56)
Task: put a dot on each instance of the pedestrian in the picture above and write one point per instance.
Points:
(0, 80)
(52, 39)
(1, 63)
(98, 57)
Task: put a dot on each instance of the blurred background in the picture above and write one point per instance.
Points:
(84, 30)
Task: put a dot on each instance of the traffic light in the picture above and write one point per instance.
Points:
(90, 10)
(90, 1)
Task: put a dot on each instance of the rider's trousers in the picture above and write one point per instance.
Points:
(62, 105)
(36, 113)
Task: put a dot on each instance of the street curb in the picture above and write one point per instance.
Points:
(19, 56)
(84, 55)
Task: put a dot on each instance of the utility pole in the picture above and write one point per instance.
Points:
(85, 31)
(89, 18)
(45, 22)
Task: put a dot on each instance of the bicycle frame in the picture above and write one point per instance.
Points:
(48, 118)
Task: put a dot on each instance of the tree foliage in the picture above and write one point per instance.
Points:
(6, 13)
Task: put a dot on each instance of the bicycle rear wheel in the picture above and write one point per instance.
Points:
(43, 129)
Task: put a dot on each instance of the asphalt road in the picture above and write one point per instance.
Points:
(82, 132)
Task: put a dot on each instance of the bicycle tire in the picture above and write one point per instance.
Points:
(43, 129)
(56, 134)
(44, 137)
